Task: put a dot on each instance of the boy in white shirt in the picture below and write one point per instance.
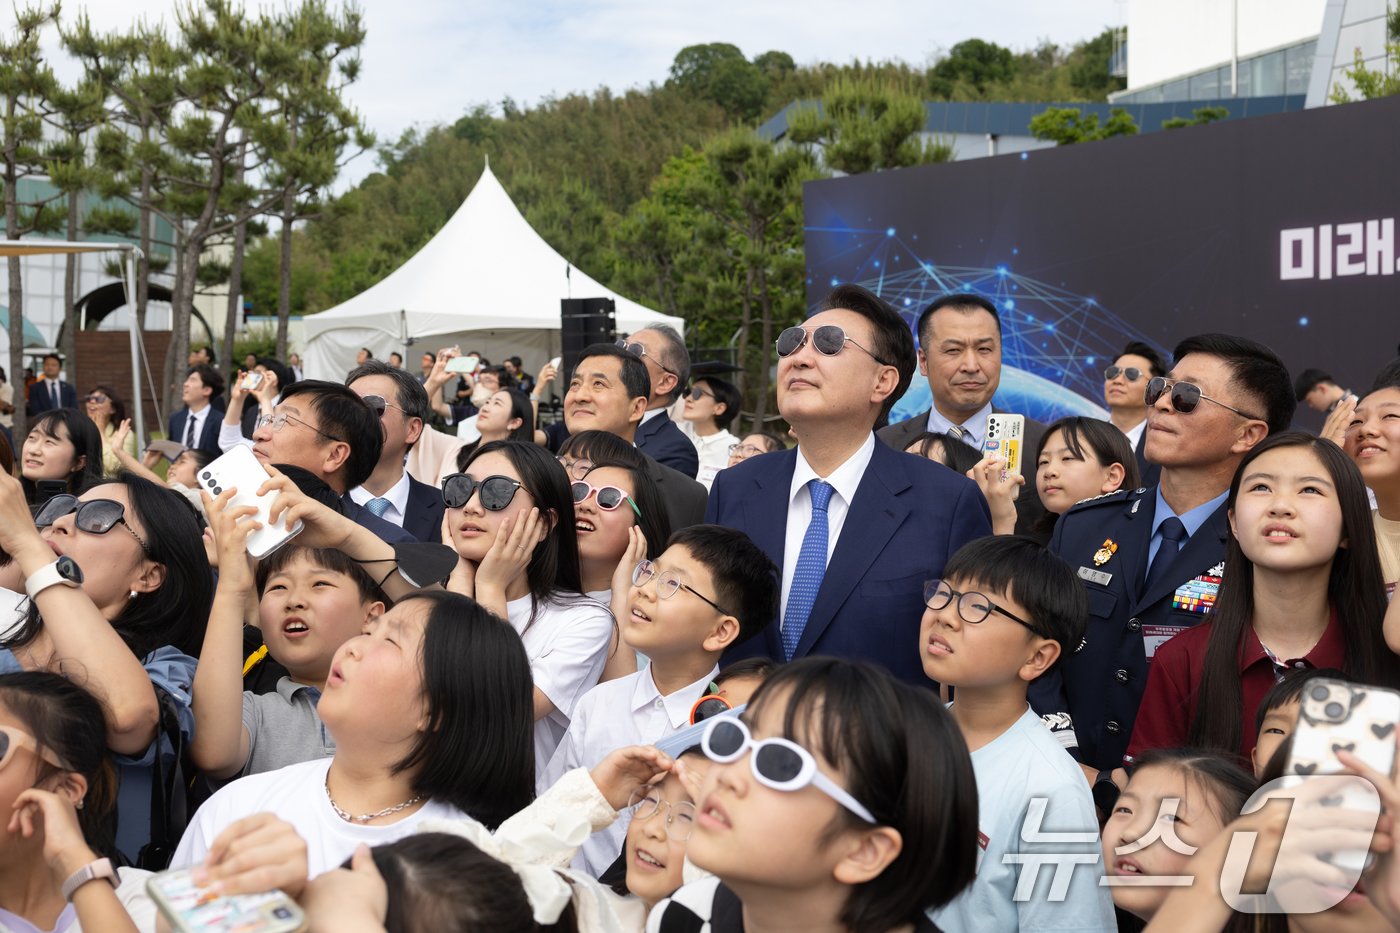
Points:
(1004, 613)
(711, 588)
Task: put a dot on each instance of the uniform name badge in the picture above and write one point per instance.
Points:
(1154, 636)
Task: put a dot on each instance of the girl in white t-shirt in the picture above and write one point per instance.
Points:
(404, 703)
(510, 517)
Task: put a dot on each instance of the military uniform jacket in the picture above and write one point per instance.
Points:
(1097, 689)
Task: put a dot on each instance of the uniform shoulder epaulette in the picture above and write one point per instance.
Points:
(1118, 495)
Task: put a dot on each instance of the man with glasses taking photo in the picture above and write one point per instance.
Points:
(663, 352)
(390, 492)
(1151, 560)
(856, 526)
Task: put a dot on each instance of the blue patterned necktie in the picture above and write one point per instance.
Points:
(378, 506)
(811, 567)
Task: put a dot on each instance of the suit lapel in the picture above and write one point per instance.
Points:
(871, 521)
(764, 519)
(1204, 548)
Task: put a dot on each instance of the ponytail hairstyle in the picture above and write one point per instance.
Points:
(1355, 593)
(69, 721)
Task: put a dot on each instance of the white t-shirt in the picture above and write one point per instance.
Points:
(713, 451)
(1022, 765)
(627, 711)
(567, 645)
(297, 794)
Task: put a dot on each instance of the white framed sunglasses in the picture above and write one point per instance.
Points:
(777, 763)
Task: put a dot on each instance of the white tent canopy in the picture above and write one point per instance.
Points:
(486, 281)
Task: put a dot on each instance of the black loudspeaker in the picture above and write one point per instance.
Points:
(583, 322)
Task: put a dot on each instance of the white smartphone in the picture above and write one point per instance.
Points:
(190, 908)
(1005, 435)
(240, 469)
(556, 361)
(464, 364)
(252, 381)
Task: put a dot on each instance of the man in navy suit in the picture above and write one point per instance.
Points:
(51, 392)
(390, 492)
(197, 424)
(1124, 392)
(960, 354)
(668, 365)
(1151, 560)
(856, 526)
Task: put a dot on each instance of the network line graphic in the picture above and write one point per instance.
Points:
(1056, 342)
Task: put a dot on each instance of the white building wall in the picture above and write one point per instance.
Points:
(1170, 38)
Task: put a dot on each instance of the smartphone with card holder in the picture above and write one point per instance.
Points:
(240, 469)
(1359, 719)
(1005, 439)
(190, 908)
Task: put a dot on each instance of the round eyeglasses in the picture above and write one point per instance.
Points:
(577, 469)
(607, 497)
(680, 817)
(280, 419)
(745, 451)
(973, 607)
(667, 583)
(828, 339)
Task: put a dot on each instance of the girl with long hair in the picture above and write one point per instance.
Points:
(62, 449)
(1301, 587)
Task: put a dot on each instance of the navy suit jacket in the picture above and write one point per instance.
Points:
(423, 512)
(661, 440)
(41, 401)
(386, 530)
(208, 439)
(1151, 472)
(1101, 686)
(908, 517)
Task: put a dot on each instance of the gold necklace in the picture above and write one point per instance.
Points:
(366, 817)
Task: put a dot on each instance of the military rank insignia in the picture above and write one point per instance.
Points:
(1199, 595)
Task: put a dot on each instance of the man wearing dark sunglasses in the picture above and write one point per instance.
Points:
(668, 364)
(960, 355)
(1151, 559)
(1125, 394)
(851, 522)
(401, 403)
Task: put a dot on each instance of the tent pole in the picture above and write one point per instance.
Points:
(139, 422)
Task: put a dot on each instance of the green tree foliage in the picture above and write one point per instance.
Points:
(1088, 69)
(1067, 125)
(1199, 117)
(719, 72)
(864, 125)
(974, 64)
(1369, 83)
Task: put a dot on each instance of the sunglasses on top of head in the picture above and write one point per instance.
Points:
(639, 351)
(607, 497)
(1185, 396)
(496, 491)
(95, 516)
(828, 340)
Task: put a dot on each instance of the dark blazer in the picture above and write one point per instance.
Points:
(908, 517)
(423, 512)
(1151, 472)
(1029, 510)
(208, 439)
(1101, 686)
(40, 400)
(386, 530)
(684, 497)
(660, 439)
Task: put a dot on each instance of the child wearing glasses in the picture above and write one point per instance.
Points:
(711, 588)
(510, 517)
(840, 799)
(1004, 613)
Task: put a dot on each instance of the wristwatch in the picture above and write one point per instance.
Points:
(62, 572)
(102, 868)
(1105, 791)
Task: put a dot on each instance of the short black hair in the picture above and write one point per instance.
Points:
(1387, 378)
(1041, 582)
(1308, 380)
(210, 377)
(1255, 370)
(285, 376)
(326, 558)
(408, 391)
(1105, 443)
(345, 416)
(1289, 687)
(634, 375)
(602, 446)
(891, 341)
(53, 356)
(774, 442)
(369, 354)
(727, 394)
(892, 743)
(957, 456)
(758, 666)
(1156, 363)
(958, 301)
(745, 578)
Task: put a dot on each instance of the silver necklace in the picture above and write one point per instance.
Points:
(366, 817)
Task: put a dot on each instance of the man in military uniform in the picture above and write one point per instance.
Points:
(1151, 559)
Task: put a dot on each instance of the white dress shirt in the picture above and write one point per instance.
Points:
(844, 480)
(197, 419)
(974, 427)
(1134, 434)
(397, 496)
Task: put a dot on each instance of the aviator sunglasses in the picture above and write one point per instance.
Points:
(1130, 373)
(777, 763)
(95, 516)
(1185, 397)
(496, 491)
(828, 339)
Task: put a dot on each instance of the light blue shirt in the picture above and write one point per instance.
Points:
(1193, 519)
(975, 426)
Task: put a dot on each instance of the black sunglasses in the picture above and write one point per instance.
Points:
(696, 394)
(1186, 396)
(95, 516)
(1130, 373)
(377, 404)
(639, 351)
(496, 491)
(828, 339)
